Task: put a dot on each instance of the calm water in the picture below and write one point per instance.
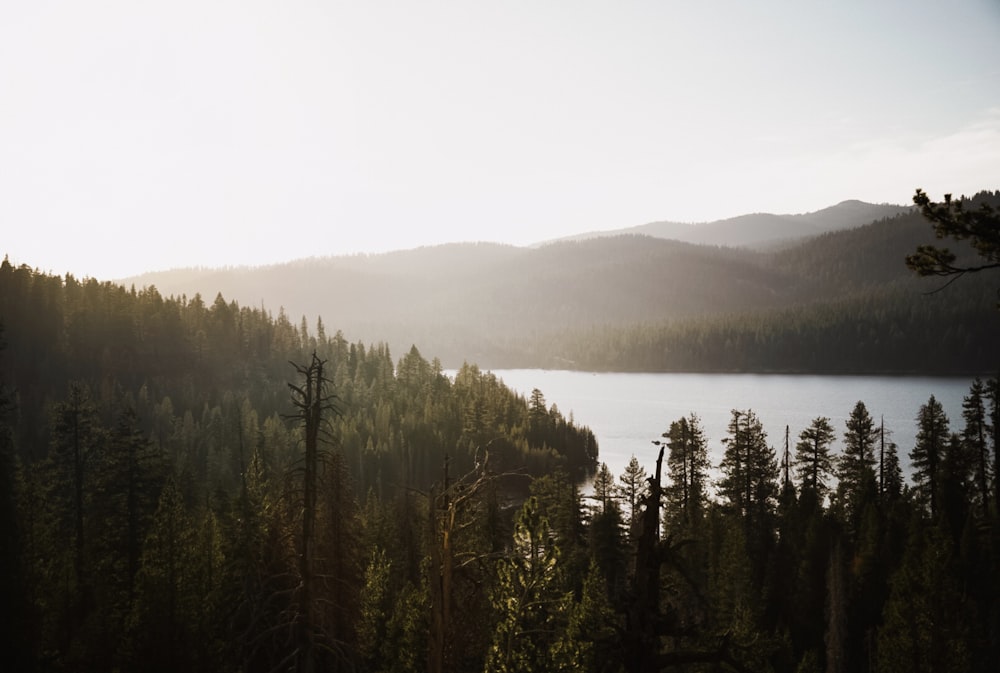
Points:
(627, 411)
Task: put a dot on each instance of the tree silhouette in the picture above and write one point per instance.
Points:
(951, 219)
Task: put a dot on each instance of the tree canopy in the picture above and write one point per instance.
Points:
(976, 221)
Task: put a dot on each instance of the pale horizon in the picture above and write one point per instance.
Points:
(169, 135)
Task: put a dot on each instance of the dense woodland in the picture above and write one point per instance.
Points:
(207, 487)
(895, 330)
(842, 301)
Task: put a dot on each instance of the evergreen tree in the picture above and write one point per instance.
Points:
(165, 614)
(632, 490)
(926, 618)
(405, 642)
(376, 607)
(993, 413)
(749, 484)
(951, 219)
(855, 466)
(604, 488)
(529, 598)
(587, 644)
(749, 488)
(687, 467)
(76, 439)
(975, 440)
(890, 472)
(15, 638)
(813, 463)
(928, 452)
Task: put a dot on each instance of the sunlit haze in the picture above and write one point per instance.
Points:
(140, 136)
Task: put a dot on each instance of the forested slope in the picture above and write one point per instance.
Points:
(885, 330)
(131, 421)
(502, 306)
(176, 495)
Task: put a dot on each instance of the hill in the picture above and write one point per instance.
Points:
(760, 230)
(495, 305)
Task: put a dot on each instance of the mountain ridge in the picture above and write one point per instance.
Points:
(757, 229)
(489, 303)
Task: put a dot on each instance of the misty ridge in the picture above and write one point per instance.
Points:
(657, 297)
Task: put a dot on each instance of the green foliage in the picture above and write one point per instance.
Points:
(951, 219)
(928, 453)
(749, 484)
(586, 644)
(530, 599)
(927, 619)
(176, 413)
(687, 468)
(165, 616)
(155, 505)
(813, 463)
(975, 442)
(856, 464)
(632, 489)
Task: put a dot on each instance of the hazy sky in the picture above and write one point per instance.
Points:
(141, 135)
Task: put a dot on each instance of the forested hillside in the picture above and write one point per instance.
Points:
(636, 302)
(152, 462)
(891, 330)
(197, 487)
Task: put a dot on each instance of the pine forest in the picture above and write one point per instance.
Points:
(204, 486)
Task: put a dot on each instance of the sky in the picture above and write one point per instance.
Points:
(142, 135)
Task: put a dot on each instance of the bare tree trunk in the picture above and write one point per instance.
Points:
(641, 638)
(310, 402)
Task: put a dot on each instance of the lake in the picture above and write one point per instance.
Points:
(627, 411)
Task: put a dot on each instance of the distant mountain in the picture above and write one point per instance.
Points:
(478, 302)
(761, 230)
(493, 304)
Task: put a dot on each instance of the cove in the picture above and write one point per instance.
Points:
(627, 411)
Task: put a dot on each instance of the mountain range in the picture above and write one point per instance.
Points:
(493, 304)
(760, 230)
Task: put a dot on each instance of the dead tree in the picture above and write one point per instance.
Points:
(311, 402)
(451, 511)
(645, 624)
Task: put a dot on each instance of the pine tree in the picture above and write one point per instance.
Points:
(926, 617)
(604, 488)
(75, 442)
(131, 476)
(749, 488)
(632, 489)
(891, 473)
(928, 452)
(855, 466)
(607, 547)
(975, 439)
(587, 644)
(15, 639)
(813, 463)
(993, 414)
(529, 598)
(749, 469)
(165, 612)
(687, 467)
(376, 606)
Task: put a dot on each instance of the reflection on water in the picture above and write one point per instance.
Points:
(627, 411)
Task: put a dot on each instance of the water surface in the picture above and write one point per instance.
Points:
(627, 411)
